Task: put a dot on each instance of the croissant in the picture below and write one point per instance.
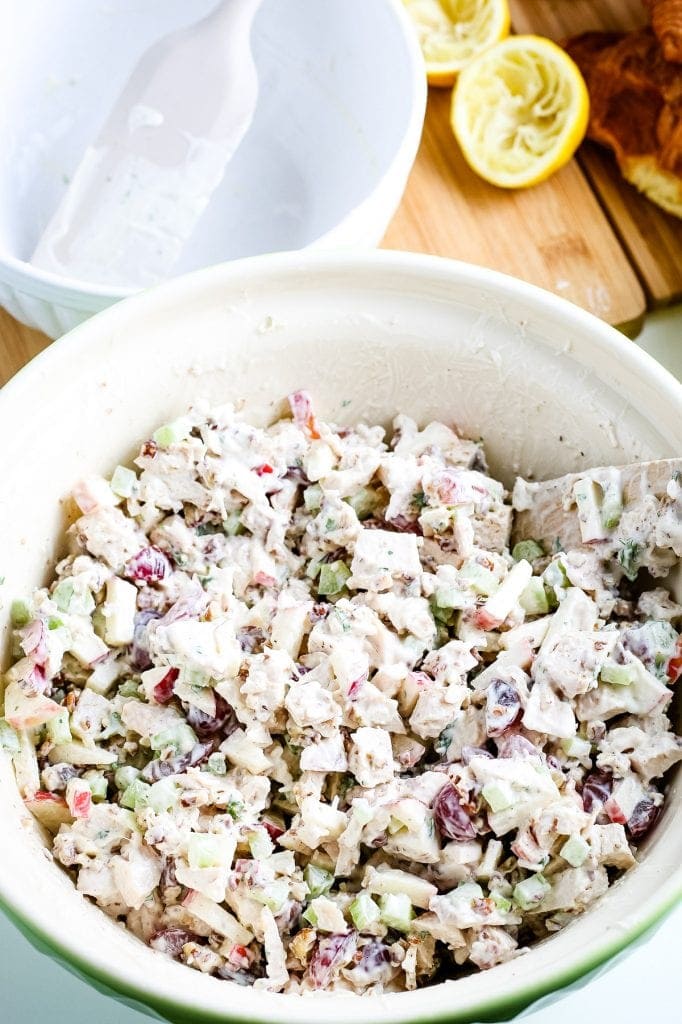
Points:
(635, 109)
(666, 21)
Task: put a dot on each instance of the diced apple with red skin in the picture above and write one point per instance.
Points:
(625, 796)
(78, 798)
(500, 604)
(51, 810)
(24, 711)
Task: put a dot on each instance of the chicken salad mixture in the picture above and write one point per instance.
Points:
(294, 713)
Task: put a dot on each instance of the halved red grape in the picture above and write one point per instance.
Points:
(502, 707)
(452, 821)
(331, 954)
(177, 765)
(150, 565)
(373, 965)
(204, 725)
(171, 940)
(139, 653)
(163, 691)
(513, 744)
(643, 818)
(596, 789)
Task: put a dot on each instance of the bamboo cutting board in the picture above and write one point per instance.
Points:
(651, 237)
(554, 235)
(585, 234)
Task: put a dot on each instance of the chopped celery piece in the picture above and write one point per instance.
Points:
(129, 689)
(125, 776)
(58, 730)
(364, 502)
(332, 578)
(479, 579)
(528, 549)
(217, 763)
(274, 895)
(575, 746)
(9, 740)
(98, 785)
(232, 523)
(136, 795)
(468, 891)
(54, 623)
(172, 433)
(443, 616)
(260, 844)
(498, 796)
(501, 902)
(179, 738)
(618, 675)
(555, 576)
(310, 916)
(313, 570)
(450, 597)
(611, 511)
(575, 850)
(20, 613)
(62, 594)
(364, 911)
(533, 599)
(396, 911)
(123, 482)
(312, 498)
(71, 595)
(163, 795)
(318, 880)
(529, 893)
(209, 851)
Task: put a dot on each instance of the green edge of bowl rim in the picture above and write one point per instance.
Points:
(497, 1009)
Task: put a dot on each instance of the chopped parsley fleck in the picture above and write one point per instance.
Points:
(628, 558)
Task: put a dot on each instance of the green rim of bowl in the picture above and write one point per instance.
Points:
(547, 991)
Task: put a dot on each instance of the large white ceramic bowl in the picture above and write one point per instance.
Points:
(324, 164)
(549, 387)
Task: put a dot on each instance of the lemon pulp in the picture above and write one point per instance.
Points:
(519, 111)
(452, 32)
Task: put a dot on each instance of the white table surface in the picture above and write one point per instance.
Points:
(642, 987)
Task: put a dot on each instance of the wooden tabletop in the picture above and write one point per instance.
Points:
(18, 344)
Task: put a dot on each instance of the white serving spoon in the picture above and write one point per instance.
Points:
(142, 185)
(551, 515)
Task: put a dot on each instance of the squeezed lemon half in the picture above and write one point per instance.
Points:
(519, 111)
(453, 32)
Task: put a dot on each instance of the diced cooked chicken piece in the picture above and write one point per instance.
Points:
(609, 846)
(515, 788)
(371, 757)
(108, 534)
(381, 557)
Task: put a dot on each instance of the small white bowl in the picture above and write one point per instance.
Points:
(324, 165)
(547, 386)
